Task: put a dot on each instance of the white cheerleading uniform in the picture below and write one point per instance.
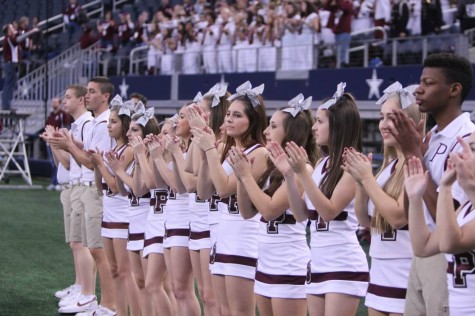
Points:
(199, 226)
(235, 251)
(461, 272)
(115, 210)
(177, 224)
(277, 275)
(213, 219)
(391, 255)
(138, 211)
(155, 225)
(338, 263)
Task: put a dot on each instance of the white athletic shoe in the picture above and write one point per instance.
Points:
(65, 292)
(82, 304)
(70, 298)
(98, 311)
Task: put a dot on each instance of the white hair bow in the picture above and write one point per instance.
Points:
(251, 93)
(198, 97)
(217, 91)
(406, 95)
(124, 107)
(174, 120)
(142, 115)
(340, 90)
(298, 104)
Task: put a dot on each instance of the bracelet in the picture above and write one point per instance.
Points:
(214, 147)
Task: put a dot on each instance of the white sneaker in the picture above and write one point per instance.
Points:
(50, 187)
(98, 311)
(70, 298)
(57, 187)
(83, 304)
(65, 292)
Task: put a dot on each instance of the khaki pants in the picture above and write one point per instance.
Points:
(427, 292)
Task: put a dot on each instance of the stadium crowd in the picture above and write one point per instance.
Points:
(217, 195)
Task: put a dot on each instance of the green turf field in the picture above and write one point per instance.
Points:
(34, 260)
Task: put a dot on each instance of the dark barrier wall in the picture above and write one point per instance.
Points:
(321, 83)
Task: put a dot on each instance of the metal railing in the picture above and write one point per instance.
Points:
(59, 18)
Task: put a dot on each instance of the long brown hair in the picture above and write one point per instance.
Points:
(345, 131)
(257, 123)
(299, 130)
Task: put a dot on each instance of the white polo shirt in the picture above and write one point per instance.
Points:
(98, 138)
(80, 129)
(62, 174)
(441, 144)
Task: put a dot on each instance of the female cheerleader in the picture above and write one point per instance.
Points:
(210, 107)
(177, 212)
(338, 272)
(379, 205)
(115, 222)
(234, 255)
(280, 280)
(156, 280)
(129, 183)
(454, 232)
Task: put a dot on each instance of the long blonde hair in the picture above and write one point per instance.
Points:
(393, 187)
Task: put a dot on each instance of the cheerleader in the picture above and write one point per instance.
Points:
(379, 205)
(234, 255)
(177, 212)
(453, 234)
(338, 272)
(280, 280)
(129, 183)
(115, 222)
(208, 108)
(156, 279)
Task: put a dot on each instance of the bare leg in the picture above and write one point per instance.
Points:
(105, 278)
(211, 305)
(341, 304)
(156, 272)
(287, 306)
(264, 305)
(182, 281)
(146, 305)
(219, 286)
(316, 305)
(240, 293)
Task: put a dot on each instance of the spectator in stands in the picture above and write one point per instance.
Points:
(58, 119)
(363, 14)
(382, 15)
(24, 27)
(292, 24)
(192, 55)
(166, 8)
(37, 42)
(140, 36)
(108, 32)
(342, 30)
(466, 14)
(88, 37)
(155, 50)
(414, 23)
(209, 39)
(431, 17)
(399, 18)
(73, 17)
(225, 41)
(125, 31)
(11, 59)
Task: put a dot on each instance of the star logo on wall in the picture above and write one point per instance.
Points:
(123, 89)
(374, 84)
